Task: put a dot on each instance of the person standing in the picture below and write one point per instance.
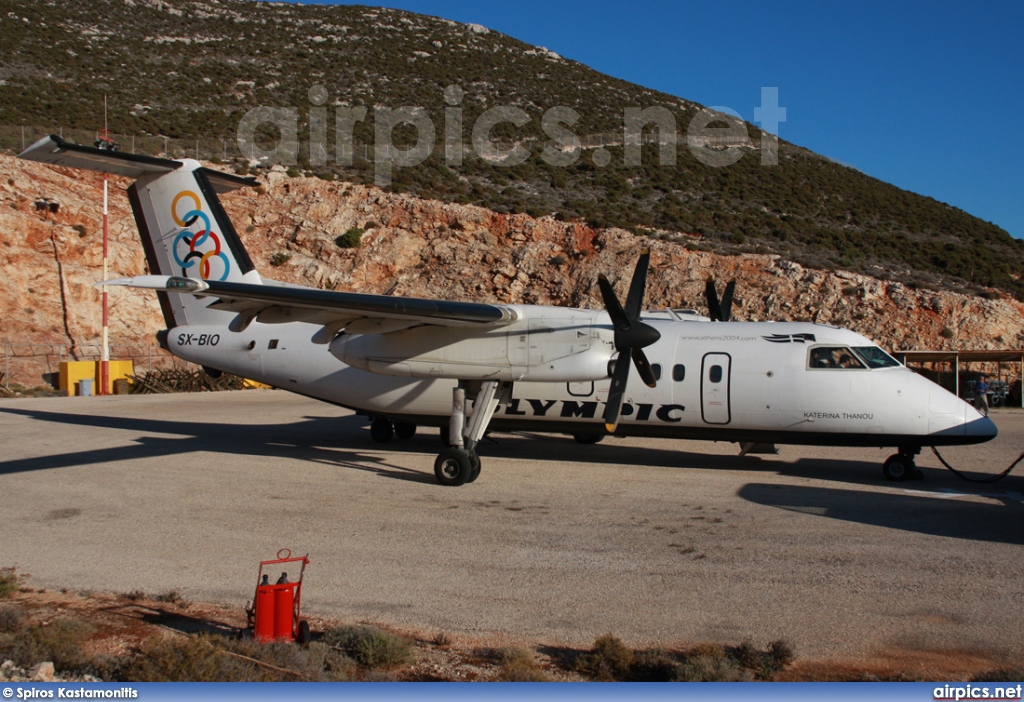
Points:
(981, 396)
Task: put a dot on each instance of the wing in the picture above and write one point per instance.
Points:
(357, 313)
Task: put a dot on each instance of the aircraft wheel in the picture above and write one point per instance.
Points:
(587, 438)
(474, 467)
(382, 430)
(453, 467)
(405, 430)
(898, 467)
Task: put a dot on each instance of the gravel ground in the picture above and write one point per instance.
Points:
(657, 541)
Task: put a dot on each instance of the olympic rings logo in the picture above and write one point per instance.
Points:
(188, 242)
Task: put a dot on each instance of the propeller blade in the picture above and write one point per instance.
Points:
(643, 367)
(611, 303)
(726, 307)
(635, 298)
(631, 335)
(711, 295)
(617, 390)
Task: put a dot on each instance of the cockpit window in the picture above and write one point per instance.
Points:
(876, 357)
(839, 357)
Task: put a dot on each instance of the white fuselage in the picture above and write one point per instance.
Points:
(736, 381)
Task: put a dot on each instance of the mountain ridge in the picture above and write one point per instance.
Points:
(425, 248)
(194, 68)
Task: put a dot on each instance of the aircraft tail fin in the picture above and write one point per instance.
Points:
(183, 226)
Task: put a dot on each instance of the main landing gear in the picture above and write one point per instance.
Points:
(458, 463)
(900, 466)
(381, 430)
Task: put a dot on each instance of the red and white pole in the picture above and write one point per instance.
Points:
(105, 351)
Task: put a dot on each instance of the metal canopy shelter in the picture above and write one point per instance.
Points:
(967, 357)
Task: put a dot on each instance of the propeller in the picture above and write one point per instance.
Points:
(719, 311)
(631, 336)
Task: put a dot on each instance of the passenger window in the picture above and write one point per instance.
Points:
(272, 344)
(656, 369)
(678, 373)
(715, 374)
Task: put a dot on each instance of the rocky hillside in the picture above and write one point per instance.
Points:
(429, 248)
(191, 69)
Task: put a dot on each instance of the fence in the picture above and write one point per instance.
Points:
(32, 365)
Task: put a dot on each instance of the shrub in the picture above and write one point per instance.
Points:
(653, 665)
(764, 664)
(280, 258)
(370, 646)
(194, 659)
(609, 659)
(705, 668)
(60, 642)
(206, 658)
(172, 597)
(80, 228)
(12, 619)
(9, 582)
(947, 333)
(519, 665)
(350, 239)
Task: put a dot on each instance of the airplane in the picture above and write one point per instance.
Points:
(470, 367)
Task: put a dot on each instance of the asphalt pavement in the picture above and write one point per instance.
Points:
(656, 541)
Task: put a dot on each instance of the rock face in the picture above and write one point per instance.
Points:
(425, 248)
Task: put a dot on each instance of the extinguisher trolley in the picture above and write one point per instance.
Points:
(275, 611)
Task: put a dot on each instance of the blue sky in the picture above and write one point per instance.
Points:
(928, 96)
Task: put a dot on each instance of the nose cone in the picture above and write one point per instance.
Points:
(971, 431)
(981, 429)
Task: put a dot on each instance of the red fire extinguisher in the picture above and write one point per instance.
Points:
(275, 611)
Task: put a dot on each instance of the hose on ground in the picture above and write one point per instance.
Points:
(989, 479)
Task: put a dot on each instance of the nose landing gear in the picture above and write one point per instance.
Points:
(901, 466)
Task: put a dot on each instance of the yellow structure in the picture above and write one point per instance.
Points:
(72, 372)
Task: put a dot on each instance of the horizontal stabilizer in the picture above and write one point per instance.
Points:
(53, 149)
(170, 283)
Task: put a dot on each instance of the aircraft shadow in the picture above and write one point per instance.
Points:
(913, 510)
(344, 442)
(530, 446)
(302, 441)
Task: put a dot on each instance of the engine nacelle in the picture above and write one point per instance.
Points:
(569, 349)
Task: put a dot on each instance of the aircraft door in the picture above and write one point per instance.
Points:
(715, 376)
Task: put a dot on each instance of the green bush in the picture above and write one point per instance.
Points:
(280, 258)
(61, 642)
(12, 619)
(350, 239)
(9, 582)
(765, 665)
(370, 646)
(706, 668)
(192, 659)
(518, 665)
(609, 659)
